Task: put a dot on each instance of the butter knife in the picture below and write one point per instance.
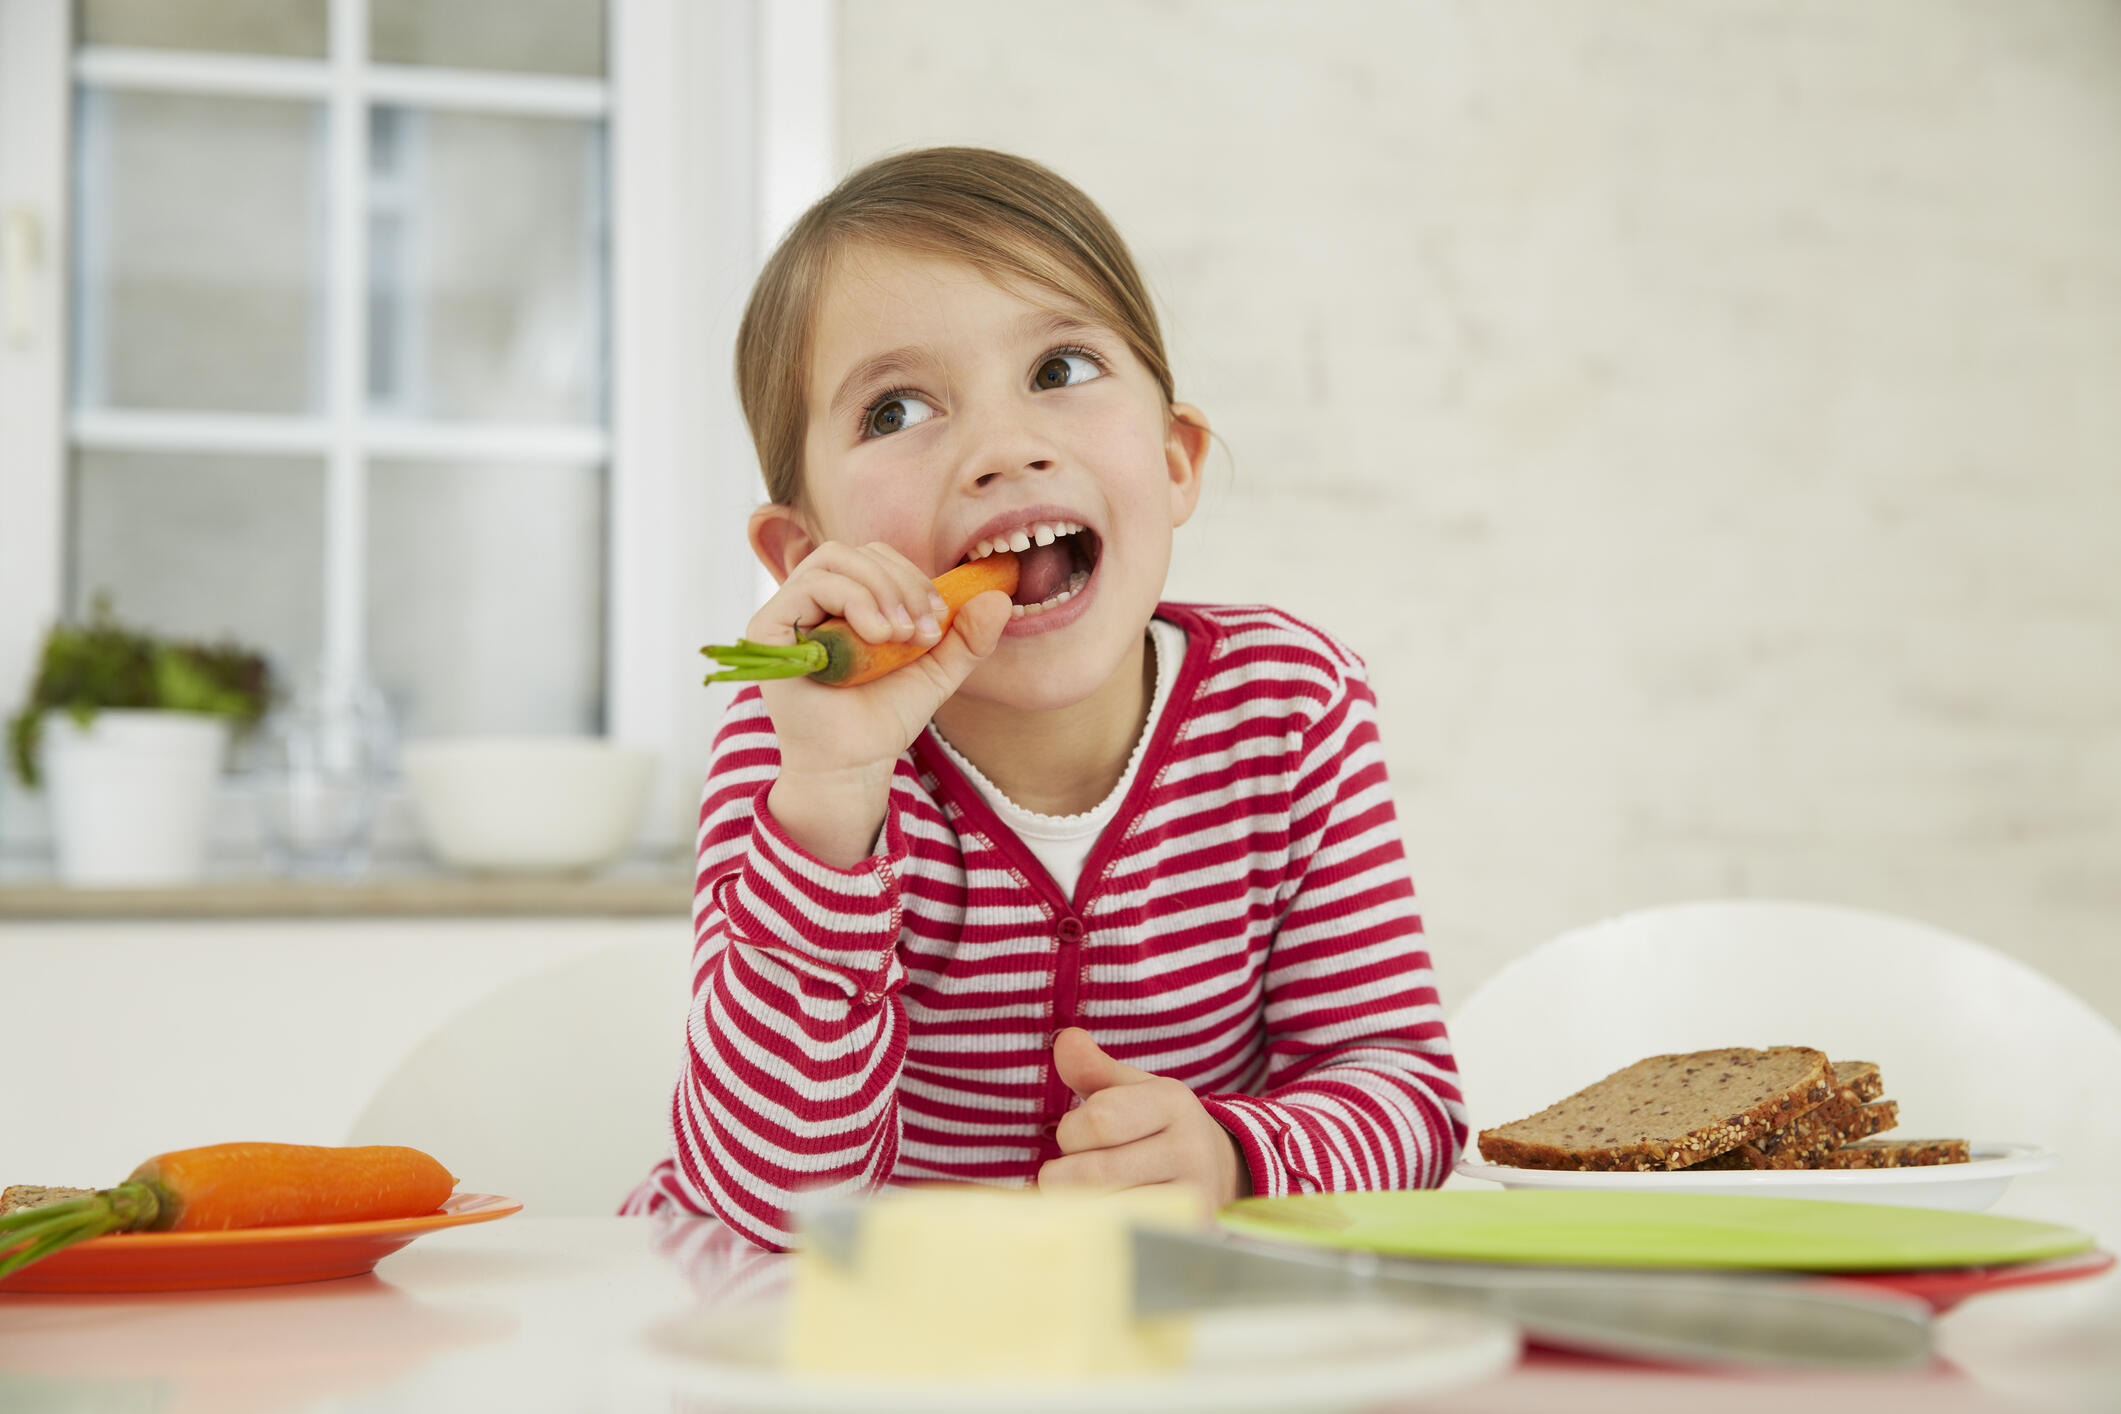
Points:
(1721, 1318)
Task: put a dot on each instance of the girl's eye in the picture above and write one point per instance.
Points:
(894, 412)
(1066, 367)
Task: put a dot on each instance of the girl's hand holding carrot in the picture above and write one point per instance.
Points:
(839, 745)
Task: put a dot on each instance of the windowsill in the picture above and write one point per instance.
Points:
(625, 891)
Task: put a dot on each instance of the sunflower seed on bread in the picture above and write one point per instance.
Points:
(1667, 1112)
(29, 1195)
(1899, 1154)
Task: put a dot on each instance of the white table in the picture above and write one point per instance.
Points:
(536, 1314)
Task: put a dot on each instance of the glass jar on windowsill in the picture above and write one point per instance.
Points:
(322, 758)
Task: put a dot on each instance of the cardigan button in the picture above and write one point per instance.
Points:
(1071, 929)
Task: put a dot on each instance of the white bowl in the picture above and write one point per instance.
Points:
(527, 804)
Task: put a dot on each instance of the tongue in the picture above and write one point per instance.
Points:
(1042, 572)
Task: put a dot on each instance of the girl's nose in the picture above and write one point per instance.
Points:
(984, 479)
(1001, 440)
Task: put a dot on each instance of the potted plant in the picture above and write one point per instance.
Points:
(128, 732)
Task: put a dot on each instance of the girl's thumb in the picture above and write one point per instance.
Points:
(973, 633)
(1084, 1067)
(982, 620)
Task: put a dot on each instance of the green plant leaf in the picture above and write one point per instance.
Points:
(88, 667)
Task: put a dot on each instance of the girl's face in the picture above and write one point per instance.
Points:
(947, 412)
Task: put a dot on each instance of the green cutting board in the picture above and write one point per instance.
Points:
(1651, 1230)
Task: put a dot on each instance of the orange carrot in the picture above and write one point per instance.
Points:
(834, 654)
(236, 1185)
(282, 1185)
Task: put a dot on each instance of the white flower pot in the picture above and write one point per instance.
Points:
(130, 794)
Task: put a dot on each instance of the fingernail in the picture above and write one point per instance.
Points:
(898, 612)
(937, 604)
(929, 627)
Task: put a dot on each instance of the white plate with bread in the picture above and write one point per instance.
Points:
(1969, 1187)
(1784, 1122)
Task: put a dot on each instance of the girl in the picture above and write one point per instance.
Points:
(1101, 891)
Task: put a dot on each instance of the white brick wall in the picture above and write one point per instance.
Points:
(1705, 419)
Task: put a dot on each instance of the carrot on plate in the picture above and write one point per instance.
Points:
(236, 1185)
(834, 654)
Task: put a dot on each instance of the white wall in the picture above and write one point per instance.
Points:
(1705, 419)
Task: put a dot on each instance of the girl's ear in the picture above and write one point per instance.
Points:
(780, 539)
(1185, 453)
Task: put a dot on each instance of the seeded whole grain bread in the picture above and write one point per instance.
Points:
(1899, 1154)
(1667, 1112)
(29, 1195)
(1854, 1083)
(1806, 1141)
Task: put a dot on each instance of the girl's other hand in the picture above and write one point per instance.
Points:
(839, 744)
(1135, 1129)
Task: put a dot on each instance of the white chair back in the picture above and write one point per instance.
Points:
(1972, 1043)
(554, 1089)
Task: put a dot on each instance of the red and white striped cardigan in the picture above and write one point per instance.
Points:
(1245, 924)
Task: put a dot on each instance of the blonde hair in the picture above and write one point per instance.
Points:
(1006, 216)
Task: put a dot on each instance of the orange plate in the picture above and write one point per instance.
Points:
(248, 1256)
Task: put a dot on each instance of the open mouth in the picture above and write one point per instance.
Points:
(1055, 559)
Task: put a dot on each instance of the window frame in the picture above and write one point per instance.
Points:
(719, 130)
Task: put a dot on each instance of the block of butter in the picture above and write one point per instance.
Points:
(970, 1282)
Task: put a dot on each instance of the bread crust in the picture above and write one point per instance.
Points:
(1654, 1115)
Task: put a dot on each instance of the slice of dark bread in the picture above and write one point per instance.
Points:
(1825, 1127)
(1805, 1142)
(1667, 1112)
(1854, 1083)
(29, 1195)
(1899, 1154)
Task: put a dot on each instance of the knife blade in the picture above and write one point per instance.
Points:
(1722, 1318)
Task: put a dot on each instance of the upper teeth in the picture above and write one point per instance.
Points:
(1043, 532)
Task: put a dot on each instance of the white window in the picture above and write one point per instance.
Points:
(392, 337)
